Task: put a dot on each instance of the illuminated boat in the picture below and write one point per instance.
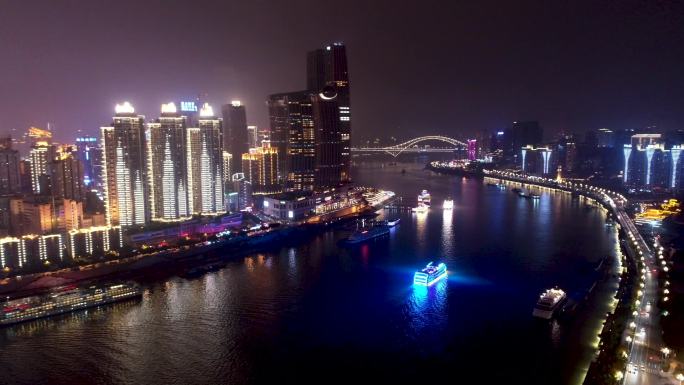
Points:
(430, 274)
(65, 299)
(448, 204)
(549, 302)
(421, 208)
(535, 196)
(424, 198)
(368, 233)
(393, 222)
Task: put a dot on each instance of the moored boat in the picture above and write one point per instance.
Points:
(65, 299)
(368, 233)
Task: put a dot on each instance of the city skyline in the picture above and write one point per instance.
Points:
(361, 191)
(584, 73)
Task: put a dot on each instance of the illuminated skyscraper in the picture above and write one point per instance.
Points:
(227, 160)
(168, 166)
(328, 67)
(639, 157)
(253, 137)
(260, 167)
(125, 168)
(206, 164)
(536, 160)
(293, 136)
(675, 167)
(40, 156)
(235, 139)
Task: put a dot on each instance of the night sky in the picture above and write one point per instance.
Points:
(422, 68)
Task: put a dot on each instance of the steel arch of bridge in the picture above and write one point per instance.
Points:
(397, 149)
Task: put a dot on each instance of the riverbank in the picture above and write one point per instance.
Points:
(173, 259)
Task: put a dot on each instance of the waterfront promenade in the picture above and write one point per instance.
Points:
(644, 335)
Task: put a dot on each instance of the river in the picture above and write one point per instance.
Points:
(321, 312)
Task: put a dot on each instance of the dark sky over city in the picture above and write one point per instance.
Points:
(453, 67)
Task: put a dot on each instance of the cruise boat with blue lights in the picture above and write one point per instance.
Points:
(393, 222)
(549, 303)
(424, 198)
(430, 274)
(65, 299)
(368, 233)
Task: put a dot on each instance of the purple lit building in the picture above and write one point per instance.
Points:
(472, 149)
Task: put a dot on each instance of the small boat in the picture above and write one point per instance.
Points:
(424, 198)
(393, 222)
(430, 274)
(535, 196)
(448, 204)
(368, 233)
(199, 271)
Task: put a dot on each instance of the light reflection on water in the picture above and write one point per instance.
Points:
(447, 233)
(427, 306)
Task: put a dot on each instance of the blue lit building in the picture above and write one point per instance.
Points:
(89, 152)
(536, 160)
(649, 164)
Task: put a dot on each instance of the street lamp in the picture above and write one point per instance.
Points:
(665, 351)
(618, 375)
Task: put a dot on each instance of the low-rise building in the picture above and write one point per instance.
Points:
(290, 206)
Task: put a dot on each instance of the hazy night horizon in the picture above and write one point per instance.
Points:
(456, 69)
(330, 191)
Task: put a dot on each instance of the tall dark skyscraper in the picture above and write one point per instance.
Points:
(513, 139)
(67, 177)
(524, 133)
(329, 163)
(10, 182)
(292, 134)
(328, 67)
(235, 138)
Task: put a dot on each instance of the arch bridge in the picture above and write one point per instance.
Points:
(411, 146)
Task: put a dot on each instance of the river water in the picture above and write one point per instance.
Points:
(320, 312)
